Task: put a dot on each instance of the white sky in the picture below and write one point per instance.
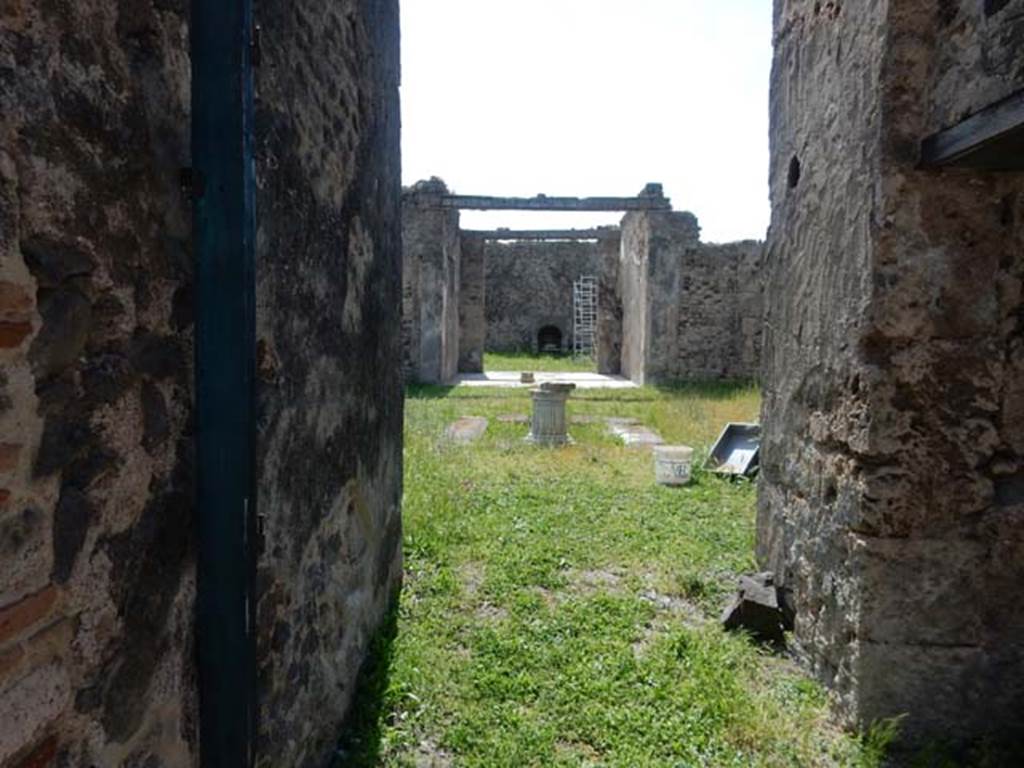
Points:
(591, 97)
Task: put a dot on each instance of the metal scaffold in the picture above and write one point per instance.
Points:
(584, 326)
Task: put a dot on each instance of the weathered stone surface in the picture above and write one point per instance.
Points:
(634, 435)
(328, 271)
(669, 307)
(431, 254)
(548, 420)
(757, 609)
(29, 611)
(468, 429)
(890, 447)
(609, 307)
(472, 301)
(96, 389)
(93, 131)
(529, 287)
(691, 310)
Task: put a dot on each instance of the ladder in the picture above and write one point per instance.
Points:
(584, 316)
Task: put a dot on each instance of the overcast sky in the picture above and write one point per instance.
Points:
(592, 97)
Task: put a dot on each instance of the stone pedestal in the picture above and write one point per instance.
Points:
(547, 427)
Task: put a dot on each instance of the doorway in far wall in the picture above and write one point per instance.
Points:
(549, 340)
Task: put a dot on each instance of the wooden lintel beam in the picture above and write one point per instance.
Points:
(543, 234)
(992, 139)
(545, 203)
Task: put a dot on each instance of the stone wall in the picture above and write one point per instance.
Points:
(609, 307)
(719, 312)
(633, 293)
(431, 246)
(97, 575)
(97, 551)
(529, 286)
(891, 498)
(329, 400)
(691, 310)
(472, 301)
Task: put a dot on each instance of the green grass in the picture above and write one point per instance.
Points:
(559, 607)
(524, 361)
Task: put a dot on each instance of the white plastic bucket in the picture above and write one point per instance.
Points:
(673, 464)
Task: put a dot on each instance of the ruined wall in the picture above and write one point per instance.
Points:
(633, 292)
(96, 547)
(328, 263)
(979, 59)
(529, 286)
(892, 466)
(609, 307)
(691, 310)
(431, 245)
(97, 551)
(472, 301)
(719, 308)
(749, 308)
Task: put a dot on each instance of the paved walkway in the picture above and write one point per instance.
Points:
(511, 379)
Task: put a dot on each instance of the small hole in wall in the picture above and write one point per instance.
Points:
(1006, 217)
(831, 493)
(794, 172)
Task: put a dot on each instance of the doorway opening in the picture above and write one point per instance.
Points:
(549, 340)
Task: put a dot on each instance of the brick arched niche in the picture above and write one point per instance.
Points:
(550, 339)
(892, 484)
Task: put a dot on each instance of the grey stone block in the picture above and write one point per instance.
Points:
(756, 608)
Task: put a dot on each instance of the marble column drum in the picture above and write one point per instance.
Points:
(548, 425)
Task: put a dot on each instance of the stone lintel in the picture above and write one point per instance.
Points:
(597, 233)
(646, 202)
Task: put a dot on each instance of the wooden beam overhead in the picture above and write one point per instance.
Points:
(543, 234)
(992, 139)
(545, 203)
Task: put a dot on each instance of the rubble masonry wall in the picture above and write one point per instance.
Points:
(691, 310)
(529, 286)
(430, 284)
(97, 546)
(892, 484)
(329, 393)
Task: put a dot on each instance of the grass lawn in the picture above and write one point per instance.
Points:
(495, 361)
(559, 608)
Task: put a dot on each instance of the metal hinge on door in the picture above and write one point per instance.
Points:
(256, 45)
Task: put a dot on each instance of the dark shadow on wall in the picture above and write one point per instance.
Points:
(361, 740)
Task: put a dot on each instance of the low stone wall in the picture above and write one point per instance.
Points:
(892, 484)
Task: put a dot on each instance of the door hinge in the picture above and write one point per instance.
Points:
(257, 45)
(190, 180)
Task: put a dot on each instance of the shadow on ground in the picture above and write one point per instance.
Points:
(360, 745)
(708, 390)
(428, 391)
